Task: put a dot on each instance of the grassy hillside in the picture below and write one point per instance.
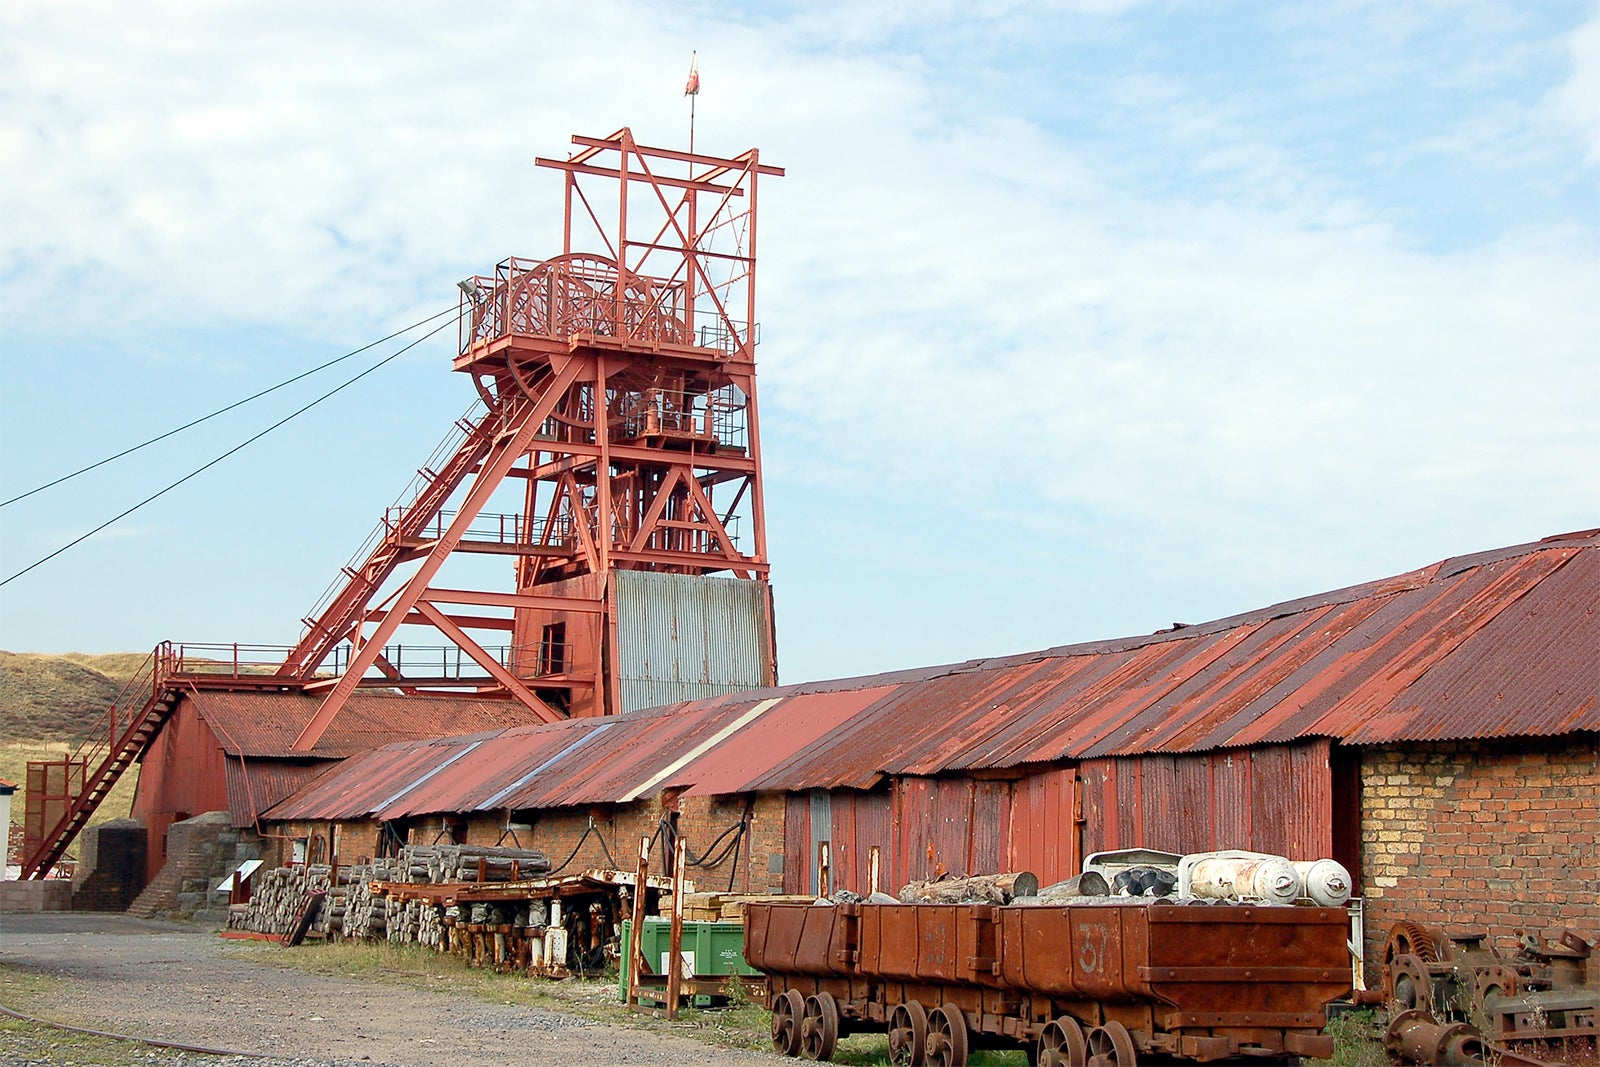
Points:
(118, 666)
(48, 702)
(53, 698)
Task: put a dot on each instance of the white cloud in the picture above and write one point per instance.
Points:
(1050, 333)
(1578, 99)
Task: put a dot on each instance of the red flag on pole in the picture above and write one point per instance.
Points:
(692, 87)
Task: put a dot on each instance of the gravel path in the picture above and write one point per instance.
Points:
(173, 983)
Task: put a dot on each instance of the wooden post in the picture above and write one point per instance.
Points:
(675, 973)
(636, 946)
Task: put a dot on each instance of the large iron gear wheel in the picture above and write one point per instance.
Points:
(1407, 938)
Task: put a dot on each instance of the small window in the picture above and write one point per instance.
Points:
(553, 649)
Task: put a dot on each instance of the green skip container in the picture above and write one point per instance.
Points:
(714, 951)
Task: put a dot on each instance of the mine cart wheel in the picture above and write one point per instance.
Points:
(1409, 984)
(1111, 1046)
(786, 1009)
(819, 1026)
(1062, 1044)
(908, 1034)
(947, 1038)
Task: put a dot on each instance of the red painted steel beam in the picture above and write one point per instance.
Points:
(494, 467)
(618, 173)
(615, 143)
(512, 684)
(486, 598)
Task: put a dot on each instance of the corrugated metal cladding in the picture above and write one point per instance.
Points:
(254, 786)
(265, 724)
(1499, 644)
(1277, 798)
(1270, 798)
(689, 637)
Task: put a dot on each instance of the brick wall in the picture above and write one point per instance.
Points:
(200, 852)
(605, 835)
(1500, 835)
(111, 869)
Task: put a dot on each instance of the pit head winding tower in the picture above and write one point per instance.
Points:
(612, 467)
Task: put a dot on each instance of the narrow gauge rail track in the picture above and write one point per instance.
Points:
(176, 1046)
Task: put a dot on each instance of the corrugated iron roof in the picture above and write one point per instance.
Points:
(265, 724)
(256, 785)
(1497, 644)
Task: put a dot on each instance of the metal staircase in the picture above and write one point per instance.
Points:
(63, 794)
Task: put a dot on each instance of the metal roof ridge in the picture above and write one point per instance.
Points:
(439, 768)
(1387, 586)
(587, 736)
(702, 748)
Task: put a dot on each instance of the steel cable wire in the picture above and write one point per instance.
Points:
(221, 411)
(235, 449)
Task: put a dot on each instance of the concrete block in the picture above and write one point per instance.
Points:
(50, 894)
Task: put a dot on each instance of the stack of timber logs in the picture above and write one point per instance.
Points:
(350, 909)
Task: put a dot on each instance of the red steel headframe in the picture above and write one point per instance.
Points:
(618, 394)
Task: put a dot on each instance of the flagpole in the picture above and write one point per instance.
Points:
(692, 90)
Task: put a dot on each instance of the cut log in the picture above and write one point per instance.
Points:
(979, 889)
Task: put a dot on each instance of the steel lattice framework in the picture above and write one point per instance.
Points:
(618, 416)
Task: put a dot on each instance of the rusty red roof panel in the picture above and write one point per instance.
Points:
(1499, 643)
(256, 785)
(1530, 669)
(762, 754)
(265, 724)
(359, 785)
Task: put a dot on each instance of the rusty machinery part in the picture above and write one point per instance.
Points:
(1110, 1045)
(1408, 938)
(1416, 1037)
(908, 1034)
(787, 1007)
(947, 1037)
(1062, 1044)
(1492, 982)
(819, 1026)
(152, 1042)
(1408, 983)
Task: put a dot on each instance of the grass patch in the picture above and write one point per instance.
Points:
(1357, 1039)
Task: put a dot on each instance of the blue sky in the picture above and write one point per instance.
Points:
(1078, 318)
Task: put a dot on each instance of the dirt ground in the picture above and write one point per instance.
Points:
(177, 983)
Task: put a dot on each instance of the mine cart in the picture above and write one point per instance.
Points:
(1092, 983)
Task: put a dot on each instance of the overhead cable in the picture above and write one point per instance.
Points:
(236, 448)
(222, 410)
